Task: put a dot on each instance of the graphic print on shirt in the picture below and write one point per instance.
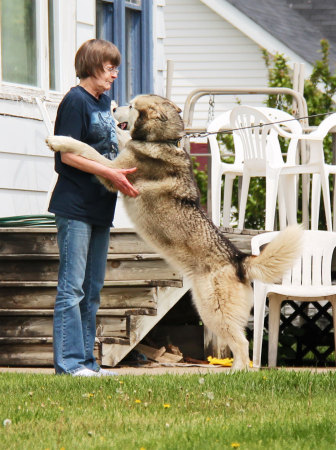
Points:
(103, 127)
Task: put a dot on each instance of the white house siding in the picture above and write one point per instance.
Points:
(86, 21)
(208, 52)
(26, 164)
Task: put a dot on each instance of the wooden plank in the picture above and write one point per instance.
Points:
(55, 256)
(127, 242)
(44, 241)
(36, 355)
(150, 352)
(107, 283)
(24, 240)
(141, 325)
(39, 326)
(44, 297)
(121, 312)
(25, 340)
(47, 270)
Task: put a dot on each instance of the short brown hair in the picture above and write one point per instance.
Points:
(91, 56)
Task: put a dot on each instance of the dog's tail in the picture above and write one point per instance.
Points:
(277, 256)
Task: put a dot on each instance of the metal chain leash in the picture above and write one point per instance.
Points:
(208, 133)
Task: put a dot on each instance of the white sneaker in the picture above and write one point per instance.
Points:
(106, 373)
(86, 373)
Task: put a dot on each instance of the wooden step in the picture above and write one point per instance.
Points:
(44, 241)
(43, 297)
(32, 354)
(130, 268)
(42, 326)
(114, 283)
(49, 340)
(101, 312)
(138, 284)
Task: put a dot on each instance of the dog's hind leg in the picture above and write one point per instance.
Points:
(224, 305)
(236, 340)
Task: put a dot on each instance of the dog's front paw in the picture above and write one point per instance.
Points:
(56, 143)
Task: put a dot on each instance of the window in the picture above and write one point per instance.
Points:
(27, 27)
(128, 24)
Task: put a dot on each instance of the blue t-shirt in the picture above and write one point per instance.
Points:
(77, 194)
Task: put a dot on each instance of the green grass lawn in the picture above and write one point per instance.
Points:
(258, 410)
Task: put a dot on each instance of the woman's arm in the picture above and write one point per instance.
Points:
(116, 176)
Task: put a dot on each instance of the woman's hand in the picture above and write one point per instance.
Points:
(119, 180)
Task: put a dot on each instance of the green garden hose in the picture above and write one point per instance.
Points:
(27, 221)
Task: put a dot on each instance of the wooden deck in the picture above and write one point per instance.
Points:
(140, 288)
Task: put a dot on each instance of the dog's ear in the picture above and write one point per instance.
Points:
(179, 110)
(156, 113)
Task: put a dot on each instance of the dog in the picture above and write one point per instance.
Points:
(167, 215)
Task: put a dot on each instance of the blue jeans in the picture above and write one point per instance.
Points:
(83, 253)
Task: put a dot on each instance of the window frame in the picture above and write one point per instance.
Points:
(146, 49)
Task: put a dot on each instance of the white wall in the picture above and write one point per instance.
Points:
(208, 52)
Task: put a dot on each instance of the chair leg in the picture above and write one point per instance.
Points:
(227, 202)
(326, 199)
(333, 304)
(334, 204)
(243, 200)
(282, 207)
(258, 321)
(272, 181)
(315, 201)
(216, 198)
(289, 186)
(273, 329)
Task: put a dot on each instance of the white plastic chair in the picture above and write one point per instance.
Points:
(230, 171)
(314, 142)
(263, 158)
(220, 169)
(308, 280)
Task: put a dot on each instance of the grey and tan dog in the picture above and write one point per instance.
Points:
(167, 215)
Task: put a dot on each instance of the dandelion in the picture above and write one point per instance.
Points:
(121, 382)
(167, 425)
(201, 380)
(137, 401)
(7, 422)
(88, 395)
(235, 444)
(210, 395)
(166, 405)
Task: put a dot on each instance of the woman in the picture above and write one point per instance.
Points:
(84, 209)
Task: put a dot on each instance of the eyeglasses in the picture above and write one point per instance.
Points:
(112, 69)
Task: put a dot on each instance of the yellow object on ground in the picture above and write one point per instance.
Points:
(226, 362)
